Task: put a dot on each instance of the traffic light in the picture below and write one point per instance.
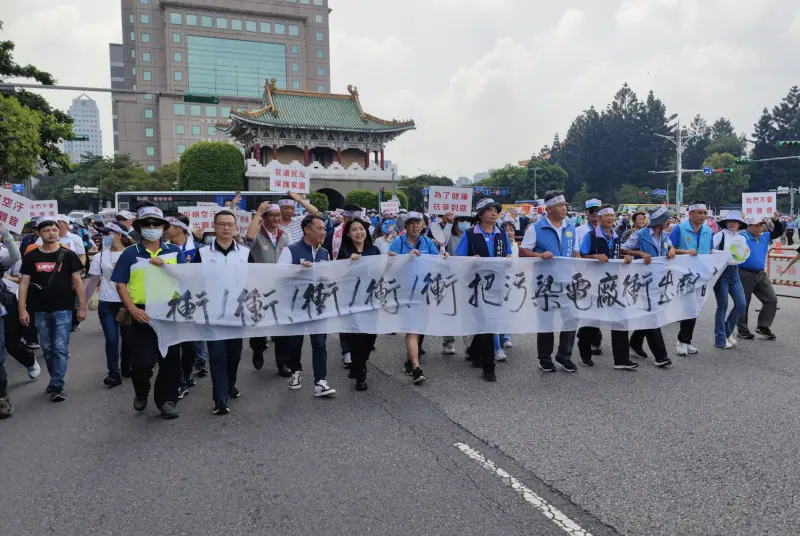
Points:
(651, 172)
(744, 160)
(793, 144)
(202, 98)
(725, 170)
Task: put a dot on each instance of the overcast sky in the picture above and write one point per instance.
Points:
(488, 82)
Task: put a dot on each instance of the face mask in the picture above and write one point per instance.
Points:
(463, 225)
(107, 242)
(152, 234)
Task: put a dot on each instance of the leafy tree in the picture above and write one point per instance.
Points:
(168, 175)
(110, 175)
(719, 188)
(628, 193)
(319, 200)
(363, 198)
(19, 140)
(520, 179)
(54, 125)
(783, 123)
(413, 188)
(582, 196)
(403, 199)
(211, 165)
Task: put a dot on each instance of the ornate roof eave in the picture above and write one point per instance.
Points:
(269, 106)
(253, 121)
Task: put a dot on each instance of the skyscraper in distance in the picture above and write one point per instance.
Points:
(86, 117)
(225, 49)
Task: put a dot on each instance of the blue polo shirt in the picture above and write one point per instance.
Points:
(425, 245)
(135, 281)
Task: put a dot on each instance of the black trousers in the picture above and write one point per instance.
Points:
(361, 345)
(789, 237)
(144, 357)
(546, 341)
(188, 351)
(619, 345)
(686, 330)
(259, 344)
(482, 348)
(655, 340)
(593, 336)
(223, 360)
(13, 338)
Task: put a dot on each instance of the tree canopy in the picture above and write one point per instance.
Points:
(53, 125)
(19, 140)
(412, 187)
(211, 165)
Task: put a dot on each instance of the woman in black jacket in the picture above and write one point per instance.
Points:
(356, 243)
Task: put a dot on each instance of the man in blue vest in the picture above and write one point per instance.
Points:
(592, 336)
(306, 252)
(647, 243)
(484, 240)
(692, 237)
(552, 236)
(755, 280)
(603, 245)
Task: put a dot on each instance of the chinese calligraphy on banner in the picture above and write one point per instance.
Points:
(202, 217)
(15, 210)
(759, 204)
(390, 207)
(427, 294)
(444, 199)
(291, 178)
(47, 209)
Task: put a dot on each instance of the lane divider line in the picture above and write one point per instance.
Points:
(550, 512)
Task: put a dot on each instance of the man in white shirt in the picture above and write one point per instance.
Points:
(291, 224)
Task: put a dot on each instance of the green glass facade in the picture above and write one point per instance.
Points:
(230, 67)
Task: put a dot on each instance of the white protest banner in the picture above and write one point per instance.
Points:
(243, 219)
(15, 210)
(759, 204)
(443, 199)
(47, 209)
(290, 178)
(427, 294)
(390, 207)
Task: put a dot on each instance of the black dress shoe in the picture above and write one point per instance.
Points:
(258, 360)
(489, 376)
(361, 384)
(746, 335)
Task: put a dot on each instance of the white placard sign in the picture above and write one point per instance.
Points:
(108, 217)
(390, 207)
(443, 199)
(759, 204)
(290, 178)
(46, 209)
(427, 294)
(202, 217)
(15, 210)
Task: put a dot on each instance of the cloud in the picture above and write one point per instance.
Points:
(390, 50)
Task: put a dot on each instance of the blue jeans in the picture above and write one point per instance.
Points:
(107, 312)
(319, 354)
(728, 283)
(54, 329)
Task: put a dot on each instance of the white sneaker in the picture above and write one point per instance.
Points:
(448, 348)
(732, 340)
(321, 388)
(682, 349)
(347, 360)
(34, 371)
(691, 349)
(500, 355)
(507, 344)
(295, 382)
(727, 346)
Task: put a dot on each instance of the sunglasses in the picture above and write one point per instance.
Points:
(151, 224)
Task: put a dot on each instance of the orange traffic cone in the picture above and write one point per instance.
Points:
(778, 246)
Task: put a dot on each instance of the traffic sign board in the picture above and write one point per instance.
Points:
(18, 188)
(708, 170)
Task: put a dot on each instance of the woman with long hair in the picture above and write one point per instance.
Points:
(357, 243)
(115, 240)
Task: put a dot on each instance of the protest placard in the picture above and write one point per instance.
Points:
(202, 217)
(390, 207)
(759, 204)
(290, 178)
(15, 210)
(44, 209)
(443, 199)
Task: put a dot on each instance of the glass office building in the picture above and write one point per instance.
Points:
(170, 49)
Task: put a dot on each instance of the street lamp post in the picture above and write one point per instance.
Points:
(680, 145)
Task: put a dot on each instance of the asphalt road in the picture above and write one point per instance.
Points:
(707, 447)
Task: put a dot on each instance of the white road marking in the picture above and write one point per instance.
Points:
(549, 511)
